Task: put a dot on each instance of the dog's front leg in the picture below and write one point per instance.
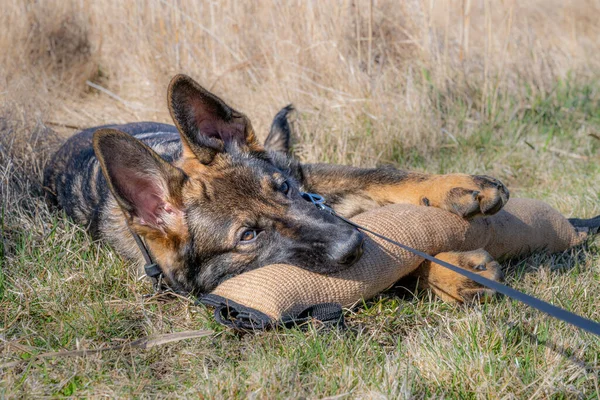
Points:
(352, 190)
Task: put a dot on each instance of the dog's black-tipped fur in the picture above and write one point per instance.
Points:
(591, 225)
(280, 135)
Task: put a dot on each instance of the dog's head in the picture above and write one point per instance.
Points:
(224, 207)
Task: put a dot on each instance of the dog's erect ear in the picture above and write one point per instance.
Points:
(206, 124)
(146, 187)
(280, 135)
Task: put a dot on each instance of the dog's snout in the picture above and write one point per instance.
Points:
(349, 251)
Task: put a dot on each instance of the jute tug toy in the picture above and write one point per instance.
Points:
(278, 293)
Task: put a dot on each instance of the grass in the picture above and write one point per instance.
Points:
(518, 100)
(62, 291)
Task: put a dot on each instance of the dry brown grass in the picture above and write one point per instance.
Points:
(393, 69)
(508, 88)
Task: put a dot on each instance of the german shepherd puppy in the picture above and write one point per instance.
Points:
(211, 202)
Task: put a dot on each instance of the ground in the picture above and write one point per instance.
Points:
(532, 120)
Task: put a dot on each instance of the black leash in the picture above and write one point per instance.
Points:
(152, 269)
(552, 310)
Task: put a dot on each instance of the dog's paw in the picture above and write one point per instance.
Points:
(467, 195)
(455, 288)
(480, 262)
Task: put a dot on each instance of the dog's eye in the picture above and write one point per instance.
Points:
(284, 188)
(249, 235)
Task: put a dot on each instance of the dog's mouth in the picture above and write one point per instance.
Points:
(342, 264)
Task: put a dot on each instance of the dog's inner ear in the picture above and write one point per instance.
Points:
(145, 186)
(145, 197)
(207, 125)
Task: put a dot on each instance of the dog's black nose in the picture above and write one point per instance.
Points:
(348, 252)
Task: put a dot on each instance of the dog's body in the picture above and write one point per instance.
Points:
(211, 202)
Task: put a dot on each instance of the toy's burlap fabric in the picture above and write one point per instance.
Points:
(284, 290)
